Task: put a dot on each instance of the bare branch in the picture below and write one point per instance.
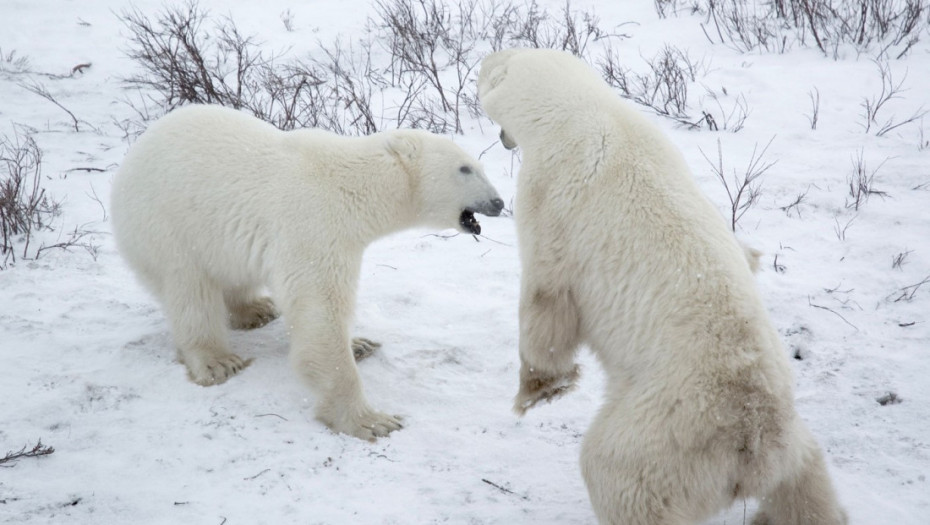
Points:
(746, 188)
(36, 451)
(815, 107)
(907, 293)
(834, 312)
(861, 182)
(43, 92)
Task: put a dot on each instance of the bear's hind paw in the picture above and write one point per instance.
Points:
(253, 315)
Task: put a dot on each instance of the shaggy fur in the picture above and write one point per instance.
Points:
(211, 206)
(621, 252)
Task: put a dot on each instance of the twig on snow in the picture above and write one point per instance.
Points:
(504, 490)
(38, 450)
(257, 475)
(834, 312)
(271, 414)
(907, 293)
(43, 92)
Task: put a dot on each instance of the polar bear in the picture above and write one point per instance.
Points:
(211, 205)
(621, 252)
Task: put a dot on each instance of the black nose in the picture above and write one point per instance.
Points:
(498, 204)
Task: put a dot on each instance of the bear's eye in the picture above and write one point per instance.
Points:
(465, 170)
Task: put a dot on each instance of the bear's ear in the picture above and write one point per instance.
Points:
(493, 71)
(403, 146)
(494, 77)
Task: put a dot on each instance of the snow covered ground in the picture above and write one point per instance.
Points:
(87, 365)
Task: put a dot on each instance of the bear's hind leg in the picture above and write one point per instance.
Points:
(247, 309)
(635, 476)
(197, 314)
(805, 496)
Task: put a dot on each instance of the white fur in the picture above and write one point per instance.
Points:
(211, 205)
(622, 252)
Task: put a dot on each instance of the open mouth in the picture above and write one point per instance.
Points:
(491, 208)
(469, 223)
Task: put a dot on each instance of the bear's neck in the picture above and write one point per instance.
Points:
(369, 193)
(379, 203)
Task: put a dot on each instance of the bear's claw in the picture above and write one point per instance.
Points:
(367, 425)
(253, 315)
(362, 348)
(217, 370)
(534, 388)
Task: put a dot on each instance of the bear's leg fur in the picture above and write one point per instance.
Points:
(322, 353)
(805, 496)
(635, 478)
(248, 310)
(548, 343)
(197, 313)
(632, 480)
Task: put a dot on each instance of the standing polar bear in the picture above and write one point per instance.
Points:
(621, 251)
(212, 205)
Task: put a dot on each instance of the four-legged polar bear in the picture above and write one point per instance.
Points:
(211, 205)
(621, 252)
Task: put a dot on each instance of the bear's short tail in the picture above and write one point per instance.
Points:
(805, 496)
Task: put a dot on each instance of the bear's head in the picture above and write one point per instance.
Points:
(449, 186)
(529, 91)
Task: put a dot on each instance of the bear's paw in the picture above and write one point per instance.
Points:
(536, 386)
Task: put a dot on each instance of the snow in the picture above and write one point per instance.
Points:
(88, 367)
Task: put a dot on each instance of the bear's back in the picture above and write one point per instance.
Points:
(202, 179)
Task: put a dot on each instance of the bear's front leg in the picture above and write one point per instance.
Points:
(342, 405)
(322, 353)
(548, 341)
(536, 386)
